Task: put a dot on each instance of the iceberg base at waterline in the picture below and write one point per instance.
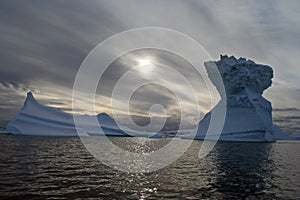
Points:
(251, 136)
(241, 125)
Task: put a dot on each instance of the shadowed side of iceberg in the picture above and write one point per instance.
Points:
(240, 125)
(37, 119)
(248, 114)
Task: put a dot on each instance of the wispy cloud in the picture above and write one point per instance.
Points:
(285, 109)
(44, 43)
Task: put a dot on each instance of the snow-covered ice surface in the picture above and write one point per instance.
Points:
(248, 113)
(37, 119)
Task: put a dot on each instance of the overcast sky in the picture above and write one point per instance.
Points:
(43, 44)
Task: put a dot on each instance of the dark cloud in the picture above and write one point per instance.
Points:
(43, 45)
(289, 124)
(285, 109)
(49, 40)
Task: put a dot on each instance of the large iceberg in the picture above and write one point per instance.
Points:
(37, 119)
(248, 114)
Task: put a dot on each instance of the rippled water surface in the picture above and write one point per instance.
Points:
(59, 168)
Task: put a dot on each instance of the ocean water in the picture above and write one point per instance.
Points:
(61, 168)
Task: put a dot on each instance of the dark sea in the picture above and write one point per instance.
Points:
(62, 168)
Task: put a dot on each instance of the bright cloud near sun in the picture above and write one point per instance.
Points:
(145, 66)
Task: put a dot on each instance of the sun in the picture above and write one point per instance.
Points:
(145, 66)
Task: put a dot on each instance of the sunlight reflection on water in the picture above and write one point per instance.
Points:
(49, 167)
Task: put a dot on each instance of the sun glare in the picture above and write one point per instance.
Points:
(145, 66)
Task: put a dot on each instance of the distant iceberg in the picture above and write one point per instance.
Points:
(248, 114)
(37, 119)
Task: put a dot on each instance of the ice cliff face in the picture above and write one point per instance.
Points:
(248, 113)
(239, 76)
